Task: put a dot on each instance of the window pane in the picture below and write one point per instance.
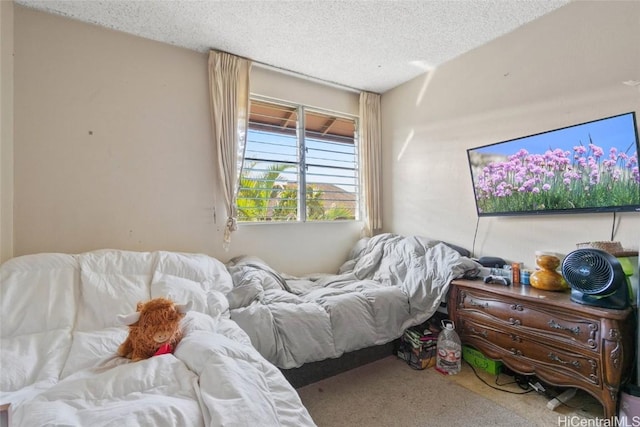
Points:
(331, 168)
(265, 192)
(269, 185)
(262, 145)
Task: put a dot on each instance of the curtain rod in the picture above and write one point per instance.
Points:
(307, 77)
(296, 74)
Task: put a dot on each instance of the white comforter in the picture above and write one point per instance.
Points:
(60, 335)
(389, 283)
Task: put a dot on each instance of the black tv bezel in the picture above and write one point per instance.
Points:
(533, 212)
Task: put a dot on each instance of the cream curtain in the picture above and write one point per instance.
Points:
(370, 162)
(229, 90)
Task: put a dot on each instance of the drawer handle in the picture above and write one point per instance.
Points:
(517, 307)
(515, 352)
(576, 364)
(474, 303)
(477, 332)
(555, 325)
(515, 338)
(515, 322)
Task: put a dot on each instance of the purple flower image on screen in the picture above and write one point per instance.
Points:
(588, 167)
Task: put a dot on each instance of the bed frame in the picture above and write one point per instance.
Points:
(315, 371)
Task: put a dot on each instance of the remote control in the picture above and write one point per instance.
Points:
(498, 280)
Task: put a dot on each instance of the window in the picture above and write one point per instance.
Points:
(300, 164)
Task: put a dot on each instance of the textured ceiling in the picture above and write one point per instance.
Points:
(363, 44)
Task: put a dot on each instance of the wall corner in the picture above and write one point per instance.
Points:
(6, 128)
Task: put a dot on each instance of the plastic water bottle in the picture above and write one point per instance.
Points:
(448, 360)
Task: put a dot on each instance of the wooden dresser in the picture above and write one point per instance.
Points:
(546, 334)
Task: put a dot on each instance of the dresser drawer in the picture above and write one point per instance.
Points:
(521, 346)
(563, 326)
(545, 333)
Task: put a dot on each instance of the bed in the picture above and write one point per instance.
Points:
(388, 283)
(60, 332)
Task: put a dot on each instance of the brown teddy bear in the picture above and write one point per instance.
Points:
(154, 329)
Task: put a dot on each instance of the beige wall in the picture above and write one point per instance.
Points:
(6, 130)
(113, 150)
(112, 140)
(567, 67)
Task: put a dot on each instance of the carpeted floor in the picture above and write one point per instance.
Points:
(389, 393)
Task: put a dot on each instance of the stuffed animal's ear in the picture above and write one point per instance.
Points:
(129, 319)
(183, 308)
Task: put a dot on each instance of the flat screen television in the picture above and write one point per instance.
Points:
(588, 167)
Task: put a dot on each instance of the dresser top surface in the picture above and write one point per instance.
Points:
(553, 298)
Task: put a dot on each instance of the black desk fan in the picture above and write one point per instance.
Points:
(596, 278)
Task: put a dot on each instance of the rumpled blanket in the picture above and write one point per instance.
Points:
(389, 283)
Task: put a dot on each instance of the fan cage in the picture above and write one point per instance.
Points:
(589, 271)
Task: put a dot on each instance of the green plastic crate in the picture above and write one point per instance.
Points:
(479, 360)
